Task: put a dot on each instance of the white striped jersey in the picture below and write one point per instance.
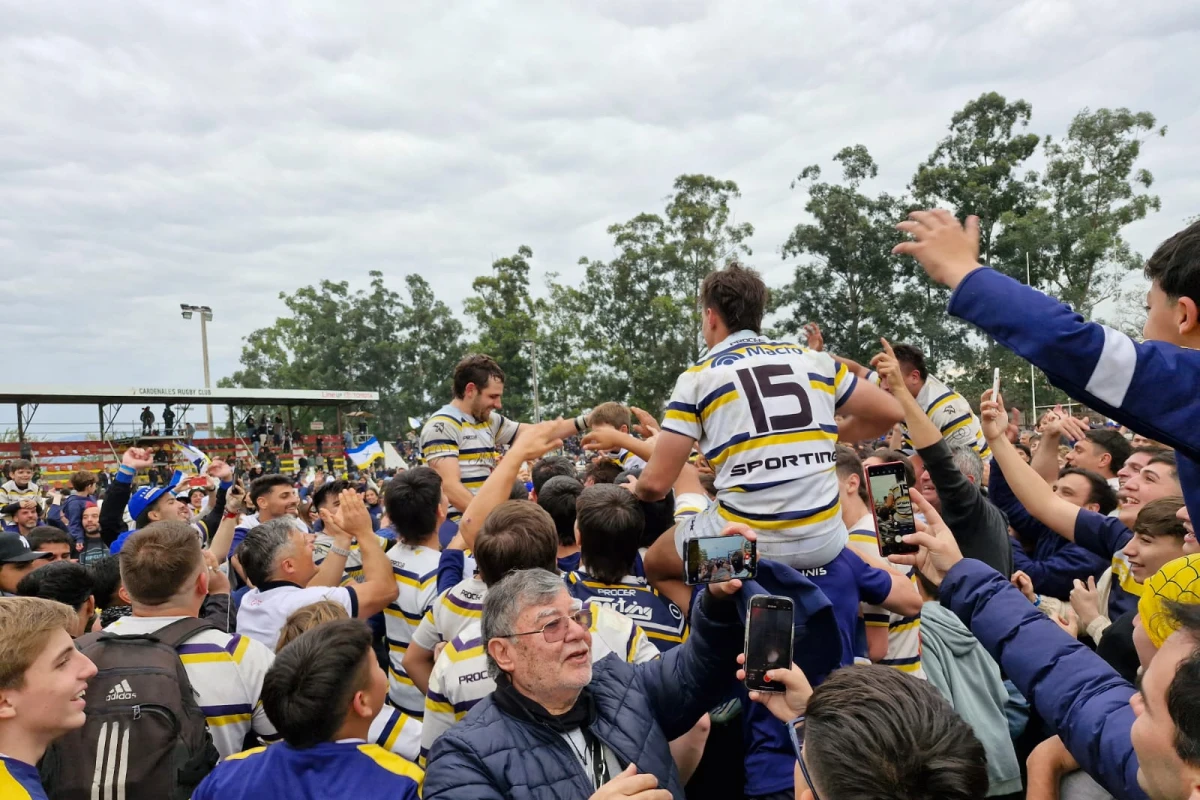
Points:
(226, 671)
(763, 414)
(415, 570)
(454, 433)
(952, 415)
(10, 493)
(633, 597)
(454, 610)
(396, 732)
(689, 504)
(628, 460)
(904, 633)
(460, 676)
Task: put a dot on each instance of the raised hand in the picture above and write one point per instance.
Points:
(602, 439)
(537, 440)
(137, 458)
(1085, 600)
(235, 499)
(732, 587)
(888, 367)
(813, 337)
(948, 250)
(939, 550)
(220, 470)
(352, 515)
(647, 426)
(993, 419)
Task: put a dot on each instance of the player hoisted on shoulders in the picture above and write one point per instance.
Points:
(762, 412)
(462, 440)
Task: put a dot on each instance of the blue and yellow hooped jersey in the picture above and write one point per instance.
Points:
(763, 414)
(476, 444)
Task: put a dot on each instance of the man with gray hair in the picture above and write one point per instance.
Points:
(557, 725)
(278, 560)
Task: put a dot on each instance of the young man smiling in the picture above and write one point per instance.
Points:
(42, 682)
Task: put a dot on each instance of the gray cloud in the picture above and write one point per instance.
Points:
(157, 153)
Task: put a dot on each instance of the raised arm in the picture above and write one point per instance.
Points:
(683, 682)
(1045, 460)
(1010, 472)
(112, 511)
(379, 587)
(870, 412)
(533, 443)
(606, 439)
(54, 515)
(1091, 362)
(212, 520)
(1073, 689)
(921, 429)
(222, 540)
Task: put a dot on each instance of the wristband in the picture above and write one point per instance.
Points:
(581, 423)
(1037, 601)
(232, 514)
(125, 469)
(339, 551)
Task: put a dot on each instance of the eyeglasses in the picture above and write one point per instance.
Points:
(796, 731)
(556, 629)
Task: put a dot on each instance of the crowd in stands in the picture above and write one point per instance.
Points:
(509, 616)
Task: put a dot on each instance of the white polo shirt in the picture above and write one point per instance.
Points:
(265, 609)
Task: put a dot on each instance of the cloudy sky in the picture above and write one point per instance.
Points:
(216, 153)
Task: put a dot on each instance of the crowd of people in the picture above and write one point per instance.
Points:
(498, 623)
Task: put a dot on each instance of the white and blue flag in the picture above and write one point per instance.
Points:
(365, 453)
(197, 458)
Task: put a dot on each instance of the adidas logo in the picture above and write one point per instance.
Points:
(121, 691)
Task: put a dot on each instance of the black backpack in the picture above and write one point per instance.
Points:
(146, 737)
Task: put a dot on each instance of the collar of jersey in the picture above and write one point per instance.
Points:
(628, 580)
(269, 585)
(733, 341)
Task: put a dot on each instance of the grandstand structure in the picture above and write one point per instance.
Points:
(56, 460)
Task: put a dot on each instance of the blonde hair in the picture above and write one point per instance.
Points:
(25, 625)
(308, 617)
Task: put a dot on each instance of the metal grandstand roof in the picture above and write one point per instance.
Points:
(104, 395)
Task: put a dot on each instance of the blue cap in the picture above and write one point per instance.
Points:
(145, 497)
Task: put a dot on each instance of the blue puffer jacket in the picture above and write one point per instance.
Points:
(490, 755)
(1075, 691)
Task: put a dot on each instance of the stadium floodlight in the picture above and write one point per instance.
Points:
(206, 315)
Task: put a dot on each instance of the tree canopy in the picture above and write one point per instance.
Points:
(630, 323)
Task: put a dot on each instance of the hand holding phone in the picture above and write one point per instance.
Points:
(714, 559)
(797, 691)
(888, 486)
(769, 641)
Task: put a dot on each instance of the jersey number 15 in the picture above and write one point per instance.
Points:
(757, 384)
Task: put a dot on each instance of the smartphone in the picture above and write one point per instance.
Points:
(892, 507)
(996, 384)
(711, 559)
(769, 640)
